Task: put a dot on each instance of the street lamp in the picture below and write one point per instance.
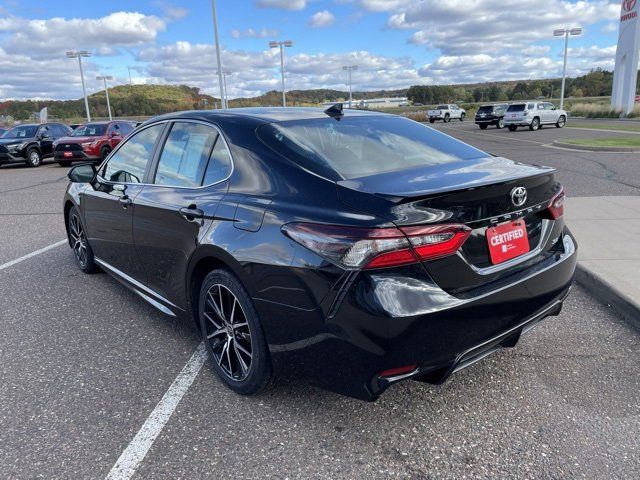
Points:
(276, 44)
(350, 68)
(79, 54)
(215, 33)
(224, 80)
(130, 81)
(104, 78)
(559, 33)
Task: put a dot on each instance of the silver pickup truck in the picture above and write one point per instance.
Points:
(446, 113)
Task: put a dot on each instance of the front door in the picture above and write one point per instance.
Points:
(172, 214)
(108, 205)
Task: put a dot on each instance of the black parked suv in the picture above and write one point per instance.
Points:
(30, 143)
(491, 115)
(350, 248)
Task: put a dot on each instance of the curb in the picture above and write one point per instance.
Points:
(587, 148)
(608, 294)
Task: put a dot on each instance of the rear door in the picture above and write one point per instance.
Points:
(108, 204)
(45, 134)
(190, 177)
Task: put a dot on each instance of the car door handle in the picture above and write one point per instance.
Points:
(125, 201)
(191, 213)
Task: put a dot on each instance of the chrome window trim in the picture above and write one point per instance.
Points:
(187, 120)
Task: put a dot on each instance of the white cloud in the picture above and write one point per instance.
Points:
(43, 38)
(610, 27)
(324, 18)
(282, 4)
(251, 33)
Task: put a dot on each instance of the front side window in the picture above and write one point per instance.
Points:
(185, 155)
(128, 163)
(549, 106)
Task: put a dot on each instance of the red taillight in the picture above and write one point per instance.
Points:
(378, 247)
(556, 206)
(393, 372)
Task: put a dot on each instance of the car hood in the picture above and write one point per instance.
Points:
(14, 141)
(77, 139)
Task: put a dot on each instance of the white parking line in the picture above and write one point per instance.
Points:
(32, 254)
(135, 452)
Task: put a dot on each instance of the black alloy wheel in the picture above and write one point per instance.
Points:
(78, 241)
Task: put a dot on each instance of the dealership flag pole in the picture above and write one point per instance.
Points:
(215, 32)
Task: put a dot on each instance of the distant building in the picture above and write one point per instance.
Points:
(374, 103)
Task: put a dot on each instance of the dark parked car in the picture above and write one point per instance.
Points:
(30, 143)
(91, 141)
(491, 115)
(351, 249)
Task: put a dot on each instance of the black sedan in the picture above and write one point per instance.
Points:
(352, 249)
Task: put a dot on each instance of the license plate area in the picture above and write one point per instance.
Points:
(67, 154)
(507, 240)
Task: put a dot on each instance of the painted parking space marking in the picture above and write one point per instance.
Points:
(32, 254)
(125, 467)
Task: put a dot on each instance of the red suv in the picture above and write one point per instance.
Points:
(91, 141)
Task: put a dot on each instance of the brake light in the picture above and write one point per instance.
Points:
(356, 248)
(556, 206)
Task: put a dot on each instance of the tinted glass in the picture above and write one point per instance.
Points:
(362, 146)
(485, 109)
(516, 108)
(219, 165)
(90, 130)
(185, 155)
(21, 132)
(442, 107)
(125, 128)
(531, 106)
(128, 164)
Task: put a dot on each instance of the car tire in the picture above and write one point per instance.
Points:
(239, 355)
(535, 124)
(64, 163)
(483, 126)
(104, 152)
(431, 120)
(562, 121)
(82, 252)
(447, 118)
(34, 158)
(500, 124)
(513, 128)
(462, 117)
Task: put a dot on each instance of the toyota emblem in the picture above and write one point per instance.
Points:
(628, 5)
(518, 196)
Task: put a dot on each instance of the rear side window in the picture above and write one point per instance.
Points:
(519, 107)
(129, 162)
(219, 166)
(363, 146)
(185, 155)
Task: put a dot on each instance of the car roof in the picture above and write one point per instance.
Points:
(262, 114)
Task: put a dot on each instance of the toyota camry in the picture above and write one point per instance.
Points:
(350, 249)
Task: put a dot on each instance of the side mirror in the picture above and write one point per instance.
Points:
(85, 173)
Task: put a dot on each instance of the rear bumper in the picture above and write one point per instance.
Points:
(520, 123)
(487, 121)
(392, 318)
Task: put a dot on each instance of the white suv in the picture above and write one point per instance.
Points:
(534, 115)
(446, 113)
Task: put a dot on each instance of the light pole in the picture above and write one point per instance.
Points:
(104, 78)
(350, 68)
(215, 33)
(224, 81)
(79, 54)
(276, 44)
(130, 82)
(559, 33)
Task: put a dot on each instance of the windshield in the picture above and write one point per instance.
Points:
(90, 130)
(362, 146)
(442, 107)
(26, 131)
(516, 108)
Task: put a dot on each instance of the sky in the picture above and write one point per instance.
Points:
(395, 43)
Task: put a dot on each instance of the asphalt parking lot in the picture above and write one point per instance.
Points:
(84, 362)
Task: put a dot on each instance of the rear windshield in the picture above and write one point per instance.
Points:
(90, 130)
(485, 109)
(442, 107)
(362, 146)
(516, 108)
